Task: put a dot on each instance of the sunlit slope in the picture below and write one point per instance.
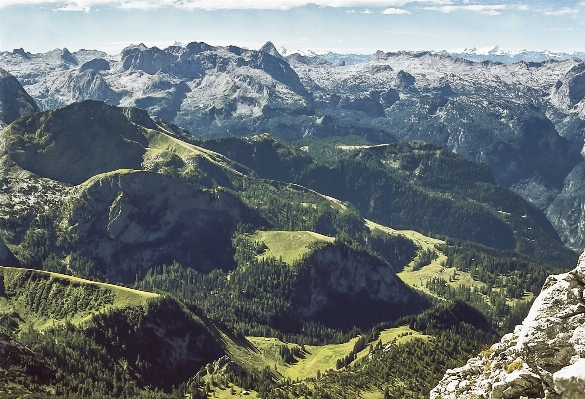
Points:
(44, 299)
(261, 352)
(288, 245)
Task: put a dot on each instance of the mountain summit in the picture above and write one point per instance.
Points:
(269, 48)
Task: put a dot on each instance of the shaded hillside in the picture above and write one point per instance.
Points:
(119, 220)
(329, 290)
(68, 145)
(22, 372)
(14, 100)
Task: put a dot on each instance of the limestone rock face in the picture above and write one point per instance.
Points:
(269, 48)
(543, 358)
(131, 220)
(97, 64)
(570, 90)
(404, 80)
(567, 212)
(339, 278)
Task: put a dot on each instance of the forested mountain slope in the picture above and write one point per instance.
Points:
(227, 238)
(412, 185)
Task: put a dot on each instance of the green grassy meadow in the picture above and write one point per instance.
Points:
(261, 352)
(288, 245)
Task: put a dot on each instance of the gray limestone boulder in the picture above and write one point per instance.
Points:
(543, 358)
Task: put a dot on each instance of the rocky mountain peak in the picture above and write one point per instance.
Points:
(97, 64)
(21, 52)
(269, 48)
(404, 80)
(543, 358)
(67, 56)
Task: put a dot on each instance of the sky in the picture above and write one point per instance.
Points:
(342, 26)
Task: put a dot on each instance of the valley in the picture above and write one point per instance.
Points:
(201, 221)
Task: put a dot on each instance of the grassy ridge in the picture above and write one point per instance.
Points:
(45, 299)
(100, 339)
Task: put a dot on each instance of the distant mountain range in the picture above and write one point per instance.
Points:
(504, 56)
(493, 53)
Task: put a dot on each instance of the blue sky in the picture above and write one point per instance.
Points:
(346, 26)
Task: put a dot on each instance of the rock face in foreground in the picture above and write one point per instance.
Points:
(543, 358)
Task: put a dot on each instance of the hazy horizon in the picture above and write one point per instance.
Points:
(344, 26)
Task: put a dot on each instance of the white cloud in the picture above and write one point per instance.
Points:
(143, 4)
(218, 4)
(395, 11)
(492, 9)
(563, 12)
(400, 3)
(74, 7)
(366, 11)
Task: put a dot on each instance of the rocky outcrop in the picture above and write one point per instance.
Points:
(269, 48)
(543, 358)
(14, 100)
(336, 283)
(570, 90)
(567, 211)
(162, 97)
(66, 56)
(149, 60)
(90, 85)
(389, 97)
(404, 81)
(97, 64)
(129, 221)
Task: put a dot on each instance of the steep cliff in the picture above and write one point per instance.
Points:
(131, 220)
(543, 358)
(336, 283)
